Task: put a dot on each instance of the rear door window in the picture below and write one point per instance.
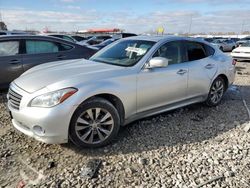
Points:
(195, 51)
(9, 48)
(37, 47)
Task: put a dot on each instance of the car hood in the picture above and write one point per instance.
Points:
(47, 74)
(242, 49)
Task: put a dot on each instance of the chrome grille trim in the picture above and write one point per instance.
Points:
(14, 99)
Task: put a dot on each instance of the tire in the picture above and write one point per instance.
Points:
(221, 48)
(95, 123)
(216, 92)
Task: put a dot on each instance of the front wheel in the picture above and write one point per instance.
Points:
(94, 124)
(216, 92)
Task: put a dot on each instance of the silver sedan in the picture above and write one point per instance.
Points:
(86, 101)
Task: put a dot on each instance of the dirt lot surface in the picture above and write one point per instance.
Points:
(195, 146)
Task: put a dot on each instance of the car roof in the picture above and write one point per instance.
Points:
(157, 38)
(42, 37)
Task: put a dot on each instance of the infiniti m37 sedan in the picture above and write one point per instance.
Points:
(87, 101)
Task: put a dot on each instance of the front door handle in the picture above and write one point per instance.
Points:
(182, 71)
(209, 66)
(14, 61)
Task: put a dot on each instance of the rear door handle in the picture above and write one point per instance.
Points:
(209, 66)
(14, 61)
(182, 71)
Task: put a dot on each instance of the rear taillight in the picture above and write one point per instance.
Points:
(234, 62)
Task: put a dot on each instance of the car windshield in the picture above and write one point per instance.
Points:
(124, 53)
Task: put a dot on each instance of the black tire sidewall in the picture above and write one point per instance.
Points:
(208, 101)
(94, 103)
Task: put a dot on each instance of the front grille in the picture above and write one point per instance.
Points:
(14, 99)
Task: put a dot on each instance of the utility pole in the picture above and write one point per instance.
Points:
(242, 26)
(190, 24)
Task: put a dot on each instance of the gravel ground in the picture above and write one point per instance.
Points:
(195, 146)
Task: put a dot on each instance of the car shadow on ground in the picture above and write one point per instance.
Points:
(192, 124)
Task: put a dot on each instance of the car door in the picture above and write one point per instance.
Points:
(202, 68)
(158, 87)
(42, 51)
(10, 61)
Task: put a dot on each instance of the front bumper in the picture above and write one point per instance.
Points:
(54, 121)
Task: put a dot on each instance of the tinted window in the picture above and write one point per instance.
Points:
(172, 51)
(209, 50)
(195, 51)
(2, 33)
(9, 48)
(36, 47)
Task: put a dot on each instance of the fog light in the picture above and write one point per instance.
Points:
(38, 130)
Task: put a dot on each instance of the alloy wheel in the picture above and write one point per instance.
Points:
(217, 91)
(94, 125)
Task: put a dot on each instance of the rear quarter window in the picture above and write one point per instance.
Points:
(195, 51)
(209, 50)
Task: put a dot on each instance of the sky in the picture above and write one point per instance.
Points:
(138, 16)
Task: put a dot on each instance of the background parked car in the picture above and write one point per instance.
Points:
(243, 40)
(224, 44)
(79, 38)
(104, 43)
(65, 37)
(242, 52)
(12, 33)
(96, 40)
(19, 53)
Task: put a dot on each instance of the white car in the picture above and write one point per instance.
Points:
(242, 52)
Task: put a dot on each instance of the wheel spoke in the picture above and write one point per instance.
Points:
(91, 137)
(84, 136)
(108, 115)
(100, 135)
(220, 88)
(90, 113)
(82, 121)
(213, 97)
(79, 128)
(104, 131)
(97, 113)
(107, 122)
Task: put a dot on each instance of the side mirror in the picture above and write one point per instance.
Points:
(157, 62)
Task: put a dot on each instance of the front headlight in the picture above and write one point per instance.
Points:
(53, 98)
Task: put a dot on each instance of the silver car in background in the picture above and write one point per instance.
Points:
(224, 45)
(86, 101)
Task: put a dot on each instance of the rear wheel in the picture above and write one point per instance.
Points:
(94, 124)
(216, 92)
(221, 48)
